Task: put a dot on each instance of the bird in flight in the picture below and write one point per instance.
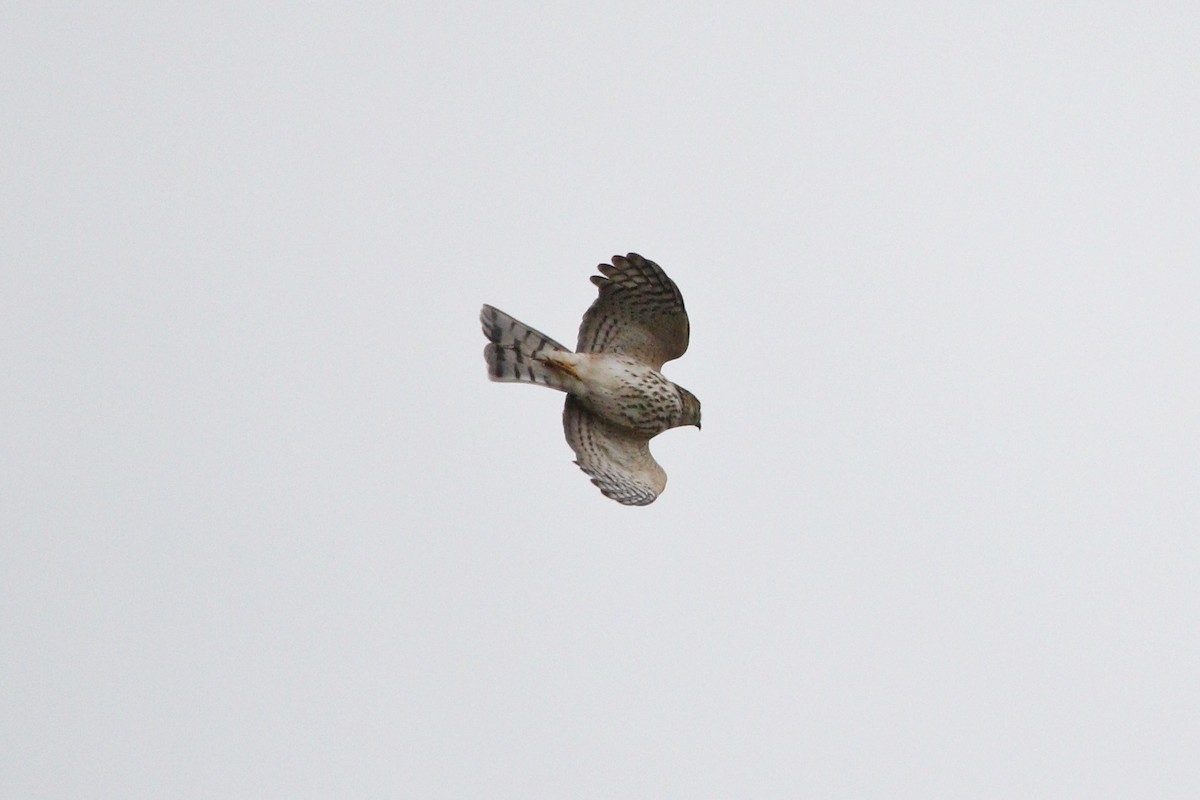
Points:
(617, 398)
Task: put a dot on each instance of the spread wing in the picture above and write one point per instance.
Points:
(639, 313)
(618, 461)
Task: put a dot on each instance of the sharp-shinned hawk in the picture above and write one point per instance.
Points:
(617, 399)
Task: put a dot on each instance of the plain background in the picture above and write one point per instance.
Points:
(268, 531)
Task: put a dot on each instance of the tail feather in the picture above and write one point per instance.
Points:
(509, 332)
(519, 353)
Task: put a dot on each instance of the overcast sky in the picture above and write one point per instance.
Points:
(269, 532)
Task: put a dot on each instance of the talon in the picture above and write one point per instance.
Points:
(562, 366)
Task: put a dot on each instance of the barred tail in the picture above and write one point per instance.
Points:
(508, 332)
(519, 353)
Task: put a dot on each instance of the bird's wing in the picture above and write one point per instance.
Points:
(639, 313)
(618, 461)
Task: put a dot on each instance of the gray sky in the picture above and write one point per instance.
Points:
(268, 531)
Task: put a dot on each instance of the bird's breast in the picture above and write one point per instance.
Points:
(630, 394)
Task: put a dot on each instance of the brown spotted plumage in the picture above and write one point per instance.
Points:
(617, 399)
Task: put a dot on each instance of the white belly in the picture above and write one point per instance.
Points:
(628, 393)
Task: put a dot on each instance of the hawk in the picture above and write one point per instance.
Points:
(617, 399)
